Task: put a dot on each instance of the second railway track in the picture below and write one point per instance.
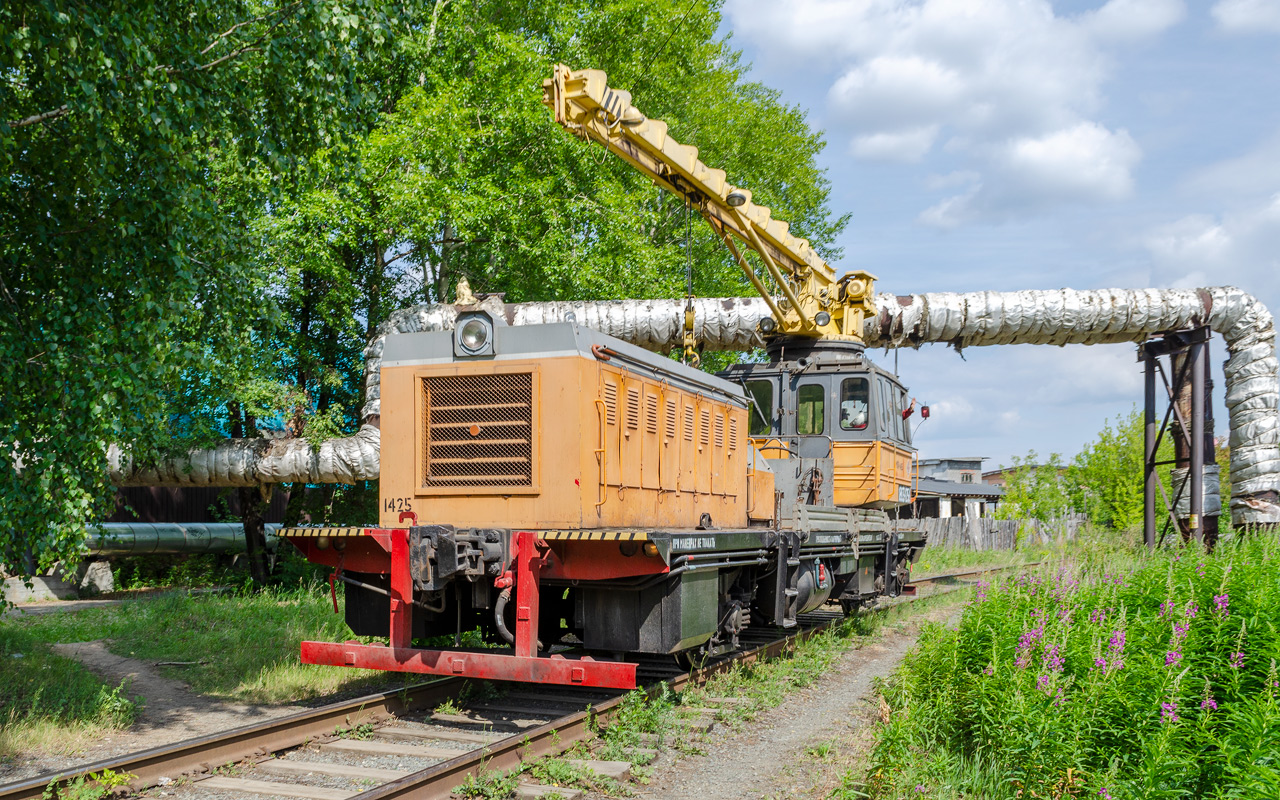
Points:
(397, 744)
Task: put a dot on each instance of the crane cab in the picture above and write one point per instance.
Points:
(826, 400)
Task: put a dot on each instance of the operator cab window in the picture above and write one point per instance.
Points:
(762, 411)
(855, 397)
(811, 409)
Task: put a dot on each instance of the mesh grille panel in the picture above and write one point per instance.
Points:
(478, 430)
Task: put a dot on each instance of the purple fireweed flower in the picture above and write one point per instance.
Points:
(1172, 657)
(1100, 663)
(1166, 607)
(1180, 632)
(1191, 610)
(1117, 641)
(1168, 712)
(1060, 697)
(1028, 642)
(1220, 602)
(1200, 569)
(1104, 794)
(1053, 658)
(1237, 660)
(1098, 616)
(1209, 703)
(920, 788)
(989, 671)
(1042, 683)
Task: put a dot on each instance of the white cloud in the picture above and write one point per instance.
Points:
(1126, 20)
(1083, 163)
(1248, 16)
(1198, 249)
(1009, 88)
(906, 146)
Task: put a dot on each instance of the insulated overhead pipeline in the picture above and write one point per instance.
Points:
(968, 319)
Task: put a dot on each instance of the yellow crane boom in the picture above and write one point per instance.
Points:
(815, 302)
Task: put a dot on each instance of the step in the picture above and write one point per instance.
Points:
(641, 754)
(376, 748)
(274, 788)
(617, 770)
(280, 766)
(535, 790)
(437, 734)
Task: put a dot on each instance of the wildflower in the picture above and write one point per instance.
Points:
(1042, 682)
(989, 671)
(1220, 601)
(920, 788)
(1191, 610)
(1027, 643)
(1172, 657)
(1209, 703)
(1060, 697)
(1104, 794)
(1200, 569)
(1169, 712)
(1166, 607)
(1052, 658)
(1237, 660)
(1100, 663)
(980, 592)
(1180, 632)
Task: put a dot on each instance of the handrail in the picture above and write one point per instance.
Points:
(602, 452)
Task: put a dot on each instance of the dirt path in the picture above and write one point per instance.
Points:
(171, 714)
(801, 747)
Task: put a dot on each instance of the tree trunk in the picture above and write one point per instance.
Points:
(252, 508)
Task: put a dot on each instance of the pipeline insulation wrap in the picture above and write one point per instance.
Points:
(970, 319)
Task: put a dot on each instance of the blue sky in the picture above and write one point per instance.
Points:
(1027, 144)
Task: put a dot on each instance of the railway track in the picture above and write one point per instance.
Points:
(412, 743)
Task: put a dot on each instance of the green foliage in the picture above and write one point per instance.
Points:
(1106, 477)
(1035, 489)
(1124, 676)
(138, 140)
(93, 786)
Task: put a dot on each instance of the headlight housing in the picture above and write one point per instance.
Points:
(473, 335)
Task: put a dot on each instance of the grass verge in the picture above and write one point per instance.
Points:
(1112, 674)
(52, 703)
(233, 646)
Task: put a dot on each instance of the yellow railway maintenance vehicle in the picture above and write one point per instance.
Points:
(580, 499)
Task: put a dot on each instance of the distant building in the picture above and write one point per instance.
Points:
(953, 487)
(966, 469)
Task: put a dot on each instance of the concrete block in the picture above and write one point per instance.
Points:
(41, 589)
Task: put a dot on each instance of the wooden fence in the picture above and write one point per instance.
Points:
(980, 533)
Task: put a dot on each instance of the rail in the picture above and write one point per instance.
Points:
(195, 758)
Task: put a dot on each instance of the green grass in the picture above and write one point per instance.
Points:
(948, 559)
(1112, 673)
(245, 644)
(51, 703)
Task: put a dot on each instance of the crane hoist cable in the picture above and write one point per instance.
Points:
(690, 356)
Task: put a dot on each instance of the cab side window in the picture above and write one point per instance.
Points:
(762, 410)
(855, 401)
(811, 409)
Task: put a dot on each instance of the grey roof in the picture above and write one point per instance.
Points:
(933, 486)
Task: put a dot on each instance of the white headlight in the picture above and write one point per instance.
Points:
(474, 335)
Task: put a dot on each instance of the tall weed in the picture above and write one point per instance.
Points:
(1121, 675)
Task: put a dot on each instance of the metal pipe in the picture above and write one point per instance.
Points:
(167, 538)
(961, 320)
